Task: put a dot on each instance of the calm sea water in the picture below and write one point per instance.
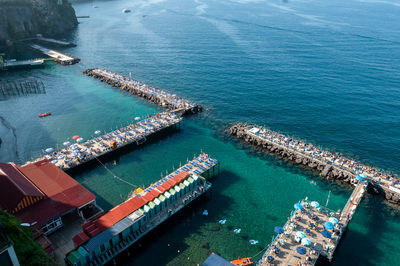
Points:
(324, 71)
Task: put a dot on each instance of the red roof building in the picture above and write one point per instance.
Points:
(40, 193)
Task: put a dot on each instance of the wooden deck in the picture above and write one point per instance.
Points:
(80, 153)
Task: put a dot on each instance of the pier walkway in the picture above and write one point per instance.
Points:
(22, 64)
(60, 58)
(84, 151)
(154, 95)
(102, 240)
(311, 231)
(330, 164)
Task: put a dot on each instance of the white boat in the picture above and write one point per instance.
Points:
(125, 10)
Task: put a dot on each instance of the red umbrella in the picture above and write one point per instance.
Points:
(75, 137)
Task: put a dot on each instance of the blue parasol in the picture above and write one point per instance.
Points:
(329, 225)
(278, 230)
(301, 250)
(326, 234)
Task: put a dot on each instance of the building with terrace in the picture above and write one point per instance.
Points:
(103, 239)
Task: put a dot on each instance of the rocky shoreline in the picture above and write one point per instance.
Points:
(151, 98)
(240, 130)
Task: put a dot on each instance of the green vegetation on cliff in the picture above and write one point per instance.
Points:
(28, 251)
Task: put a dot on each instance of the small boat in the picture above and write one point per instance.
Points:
(95, 6)
(237, 230)
(44, 114)
(205, 212)
(125, 10)
(137, 118)
(222, 221)
(242, 261)
(253, 242)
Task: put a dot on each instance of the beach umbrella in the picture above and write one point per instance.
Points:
(298, 206)
(306, 241)
(270, 258)
(97, 132)
(301, 250)
(60, 157)
(278, 230)
(79, 140)
(83, 150)
(360, 178)
(333, 220)
(364, 175)
(300, 234)
(314, 204)
(66, 143)
(329, 225)
(75, 137)
(49, 150)
(54, 161)
(326, 234)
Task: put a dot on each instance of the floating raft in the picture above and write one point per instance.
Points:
(329, 164)
(154, 95)
(80, 153)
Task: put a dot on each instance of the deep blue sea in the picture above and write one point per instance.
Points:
(325, 71)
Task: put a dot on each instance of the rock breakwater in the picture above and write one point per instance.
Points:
(300, 153)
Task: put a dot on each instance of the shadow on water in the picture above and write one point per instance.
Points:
(171, 235)
(355, 242)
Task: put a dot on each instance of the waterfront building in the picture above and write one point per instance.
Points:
(109, 235)
(40, 194)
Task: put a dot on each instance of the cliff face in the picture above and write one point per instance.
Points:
(25, 18)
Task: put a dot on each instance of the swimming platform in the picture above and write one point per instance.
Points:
(312, 232)
(81, 152)
(157, 96)
(103, 239)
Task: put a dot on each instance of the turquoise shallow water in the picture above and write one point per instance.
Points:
(313, 69)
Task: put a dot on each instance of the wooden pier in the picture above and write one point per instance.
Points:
(338, 167)
(162, 98)
(320, 241)
(58, 57)
(83, 152)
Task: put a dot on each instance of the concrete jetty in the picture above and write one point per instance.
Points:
(81, 152)
(154, 95)
(306, 237)
(58, 57)
(331, 165)
(21, 64)
(103, 239)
